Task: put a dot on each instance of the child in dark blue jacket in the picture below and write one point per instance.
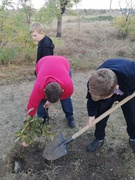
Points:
(112, 81)
(45, 44)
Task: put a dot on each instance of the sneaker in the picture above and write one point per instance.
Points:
(71, 122)
(94, 145)
(132, 144)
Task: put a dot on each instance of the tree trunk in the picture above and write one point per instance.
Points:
(59, 27)
(110, 5)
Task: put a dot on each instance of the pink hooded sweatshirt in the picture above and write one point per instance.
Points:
(50, 69)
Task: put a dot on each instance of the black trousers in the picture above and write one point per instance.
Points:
(128, 111)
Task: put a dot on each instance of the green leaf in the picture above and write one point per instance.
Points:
(33, 128)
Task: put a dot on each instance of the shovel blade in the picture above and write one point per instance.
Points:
(55, 149)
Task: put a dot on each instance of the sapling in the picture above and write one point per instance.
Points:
(33, 127)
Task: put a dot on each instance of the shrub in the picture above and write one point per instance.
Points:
(123, 26)
(32, 128)
(15, 40)
(7, 54)
(132, 29)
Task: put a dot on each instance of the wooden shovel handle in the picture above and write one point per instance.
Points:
(85, 128)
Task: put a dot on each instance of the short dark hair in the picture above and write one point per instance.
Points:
(102, 83)
(53, 92)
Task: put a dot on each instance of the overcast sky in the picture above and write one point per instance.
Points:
(92, 4)
(89, 4)
(98, 4)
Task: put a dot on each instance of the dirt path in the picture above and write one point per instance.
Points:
(114, 160)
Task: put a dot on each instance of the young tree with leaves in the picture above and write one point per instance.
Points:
(58, 8)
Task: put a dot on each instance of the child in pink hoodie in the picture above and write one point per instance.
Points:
(53, 83)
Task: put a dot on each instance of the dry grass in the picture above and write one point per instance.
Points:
(87, 45)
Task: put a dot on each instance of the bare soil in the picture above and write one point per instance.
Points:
(113, 161)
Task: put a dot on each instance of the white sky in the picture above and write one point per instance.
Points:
(90, 4)
(97, 4)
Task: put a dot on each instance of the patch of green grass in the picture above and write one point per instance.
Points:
(98, 18)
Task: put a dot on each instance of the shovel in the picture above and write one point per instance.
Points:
(57, 148)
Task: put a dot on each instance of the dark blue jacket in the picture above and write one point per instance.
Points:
(125, 72)
(45, 48)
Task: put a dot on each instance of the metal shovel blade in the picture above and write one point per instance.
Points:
(55, 149)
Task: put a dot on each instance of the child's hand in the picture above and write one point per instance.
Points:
(90, 120)
(47, 104)
(29, 111)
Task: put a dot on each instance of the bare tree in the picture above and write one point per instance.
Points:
(128, 10)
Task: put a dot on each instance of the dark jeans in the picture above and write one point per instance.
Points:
(41, 112)
(66, 106)
(128, 111)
